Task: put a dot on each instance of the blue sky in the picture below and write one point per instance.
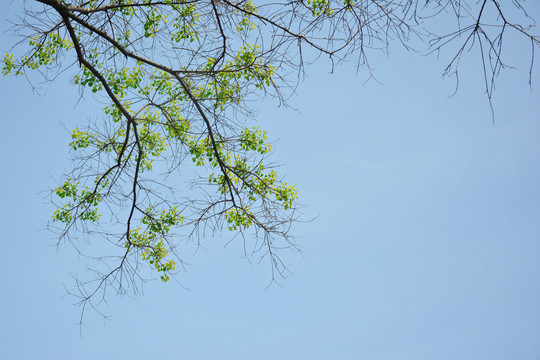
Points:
(425, 243)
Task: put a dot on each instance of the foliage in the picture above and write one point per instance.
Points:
(178, 76)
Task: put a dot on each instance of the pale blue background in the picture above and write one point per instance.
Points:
(427, 243)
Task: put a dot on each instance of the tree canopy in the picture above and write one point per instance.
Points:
(181, 80)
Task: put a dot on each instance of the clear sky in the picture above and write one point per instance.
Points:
(425, 244)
